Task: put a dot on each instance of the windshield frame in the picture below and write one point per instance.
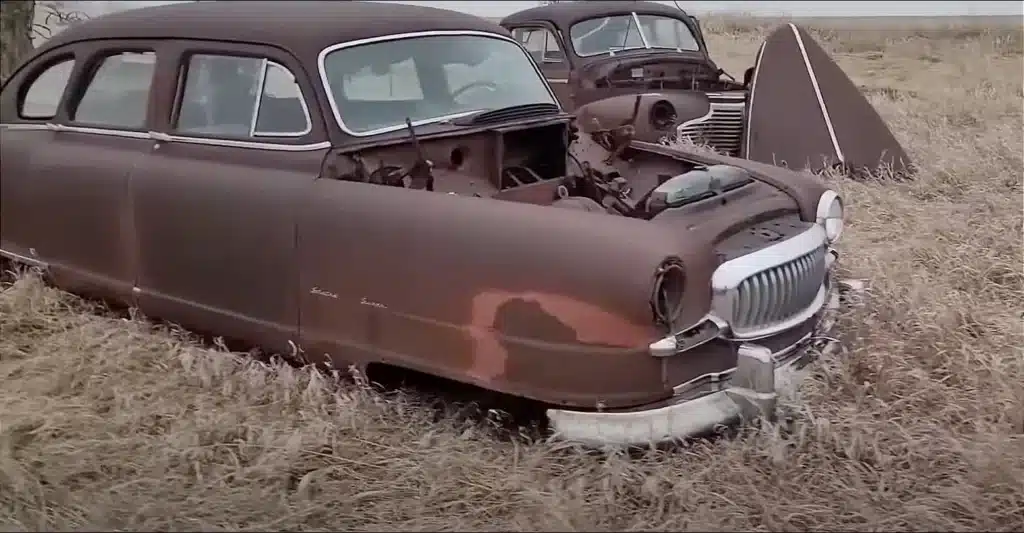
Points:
(325, 82)
(635, 15)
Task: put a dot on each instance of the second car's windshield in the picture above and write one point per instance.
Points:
(376, 86)
(620, 32)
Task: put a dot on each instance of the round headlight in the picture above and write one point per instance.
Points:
(830, 215)
(663, 115)
(667, 300)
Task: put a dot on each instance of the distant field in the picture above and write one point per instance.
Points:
(918, 425)
(888, 23)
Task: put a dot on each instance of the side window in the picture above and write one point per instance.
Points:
(41, 98)
(118, 92)
(241, 97)
(391, 82)
(541, 44)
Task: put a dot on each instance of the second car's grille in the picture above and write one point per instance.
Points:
(772, 296)
(723, 128)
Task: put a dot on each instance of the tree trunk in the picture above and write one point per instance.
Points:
(16, 24)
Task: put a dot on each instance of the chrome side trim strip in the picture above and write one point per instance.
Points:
(163, 137)
(24, 127)
(228, 143)
(817, 93)
(22, 259)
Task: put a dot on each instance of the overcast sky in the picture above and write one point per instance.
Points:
(835, 8)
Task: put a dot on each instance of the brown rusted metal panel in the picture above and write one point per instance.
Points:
(863, 137)
(509, 248)
(806, 113)
(785, 125)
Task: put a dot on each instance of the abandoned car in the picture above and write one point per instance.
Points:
(410, 194)
(808, 114)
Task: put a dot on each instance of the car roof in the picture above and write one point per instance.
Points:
(565, 14)
(301, 27)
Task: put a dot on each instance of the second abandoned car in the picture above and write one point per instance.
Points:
(794, 106)
(302, 176)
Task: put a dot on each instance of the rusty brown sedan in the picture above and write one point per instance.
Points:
(410, 194)
(794, 107)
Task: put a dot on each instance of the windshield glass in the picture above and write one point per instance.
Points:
(376, 86)
(620, 32)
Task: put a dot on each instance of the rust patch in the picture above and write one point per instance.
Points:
(496, 313)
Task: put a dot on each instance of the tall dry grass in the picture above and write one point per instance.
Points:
(917, 425)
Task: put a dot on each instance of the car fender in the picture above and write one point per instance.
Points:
(547, 303)
(616, 110)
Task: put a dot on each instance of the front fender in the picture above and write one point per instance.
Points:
(616, 110)
(547, 303)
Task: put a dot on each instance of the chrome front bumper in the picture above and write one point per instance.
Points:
(751, 391)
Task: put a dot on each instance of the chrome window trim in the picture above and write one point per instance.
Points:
(50, 65)
(322, 56)
(163, 137)
(635, 15)
(264, 67)
(640, 30)
(72, 112)
(261, 81)
(230, 143)
(302, 102)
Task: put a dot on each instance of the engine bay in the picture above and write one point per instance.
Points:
(547, 163)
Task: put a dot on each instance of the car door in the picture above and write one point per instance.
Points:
(217, 198)
(545, 47)
(79, 120)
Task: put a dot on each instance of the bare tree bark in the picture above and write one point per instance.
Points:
(16, 27)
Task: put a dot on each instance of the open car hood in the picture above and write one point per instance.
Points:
(804, 112)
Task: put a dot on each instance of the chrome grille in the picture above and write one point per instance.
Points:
(777, 294)
(722, 128)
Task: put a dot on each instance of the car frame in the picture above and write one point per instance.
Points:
(641, 292)
(808, 114)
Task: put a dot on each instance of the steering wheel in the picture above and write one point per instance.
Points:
(473, 85)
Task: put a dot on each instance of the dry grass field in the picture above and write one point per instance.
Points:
(113, 423)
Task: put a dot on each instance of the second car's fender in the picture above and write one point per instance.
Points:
(658, 113)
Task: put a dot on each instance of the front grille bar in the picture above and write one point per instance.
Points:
(774, 288)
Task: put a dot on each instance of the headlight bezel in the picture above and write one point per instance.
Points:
(668, 292)
(830, 215)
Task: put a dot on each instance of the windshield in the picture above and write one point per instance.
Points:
(620, 32)
(375, 87)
